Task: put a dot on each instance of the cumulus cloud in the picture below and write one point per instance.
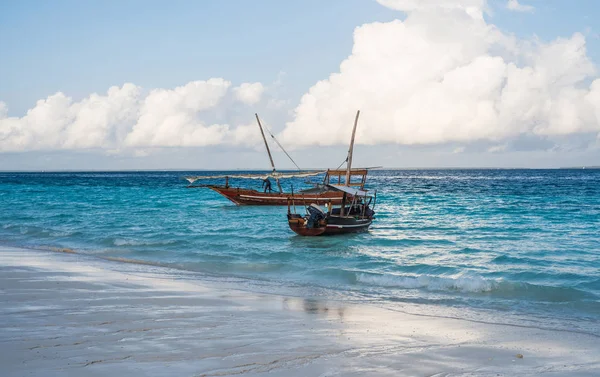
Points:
(249, 93)
(517, 7)
(126, 117)
(58, 122)
(246, 135)
(169, 117)
(443, 76)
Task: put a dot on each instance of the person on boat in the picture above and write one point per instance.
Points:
(267, 184)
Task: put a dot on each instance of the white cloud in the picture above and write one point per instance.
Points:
(246, 135)
(444, 76)
(473, 8)
(498, 148)
(249, 93)
(125, 118)
(517, 7)
(59, 123)
(101, 121)
(274, 103)
(169, 117)
(3, 110)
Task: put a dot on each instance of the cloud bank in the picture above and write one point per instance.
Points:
(126, 117)
(446, 75)
(443, 75)
(249, 93)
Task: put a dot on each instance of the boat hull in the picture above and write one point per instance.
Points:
(358, 226)
(329, 226)
(242, 196)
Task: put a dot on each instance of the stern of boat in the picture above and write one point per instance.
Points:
(297, 223)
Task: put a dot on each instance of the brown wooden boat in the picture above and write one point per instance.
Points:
(354, 214)
(320, 193)
(241, 196)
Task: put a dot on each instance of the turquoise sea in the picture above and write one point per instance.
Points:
(501, 246)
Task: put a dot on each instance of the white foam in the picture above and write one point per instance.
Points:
(463, 283)
(130, 242)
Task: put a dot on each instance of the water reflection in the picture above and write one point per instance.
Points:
(314, 306)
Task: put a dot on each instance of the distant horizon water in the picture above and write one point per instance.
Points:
(291, 169)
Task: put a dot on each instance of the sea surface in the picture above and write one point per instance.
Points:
(501, 246)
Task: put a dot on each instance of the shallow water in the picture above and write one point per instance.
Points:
(495, 245)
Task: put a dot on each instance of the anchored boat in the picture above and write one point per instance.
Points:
(354, 214)
(320, 193)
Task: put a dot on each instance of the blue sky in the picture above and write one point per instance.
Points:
(82, 47)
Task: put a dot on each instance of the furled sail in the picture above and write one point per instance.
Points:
(274, 175)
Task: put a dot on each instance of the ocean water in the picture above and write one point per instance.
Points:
(503, 246)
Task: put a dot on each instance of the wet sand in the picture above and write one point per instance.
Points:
(64, 314)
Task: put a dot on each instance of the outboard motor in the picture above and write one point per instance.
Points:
(315, 214)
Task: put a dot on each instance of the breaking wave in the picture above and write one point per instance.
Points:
(462, 283)
(501, 289)
(133, 242)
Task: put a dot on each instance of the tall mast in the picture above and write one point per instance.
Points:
(268, 150)
(349, 167)
(265, 140)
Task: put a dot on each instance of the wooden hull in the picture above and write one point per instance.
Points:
(328, 226)
(358, 227)
(242, 196)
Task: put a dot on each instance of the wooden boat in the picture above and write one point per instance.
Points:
(354, 214)
(241, 196)
(320, 193)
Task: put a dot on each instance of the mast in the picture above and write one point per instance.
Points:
(265, 140)
(268, 150)
(349, 167)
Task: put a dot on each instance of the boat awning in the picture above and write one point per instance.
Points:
(353, 171)
(349, 190)
(274, 175)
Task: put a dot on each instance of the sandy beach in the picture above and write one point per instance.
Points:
(65, 314)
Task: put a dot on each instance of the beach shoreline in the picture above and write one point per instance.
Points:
(66, 314)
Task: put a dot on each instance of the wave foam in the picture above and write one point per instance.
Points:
(461, 283)
(130, 242)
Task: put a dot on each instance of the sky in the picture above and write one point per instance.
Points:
(111, 85)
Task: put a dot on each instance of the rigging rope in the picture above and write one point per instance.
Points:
(284, 151)
(346, 160)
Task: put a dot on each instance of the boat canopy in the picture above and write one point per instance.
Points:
(274, 175)
(353, 171)
(349, 190)
(343, 174)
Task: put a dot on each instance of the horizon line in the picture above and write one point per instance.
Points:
(594, 167)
